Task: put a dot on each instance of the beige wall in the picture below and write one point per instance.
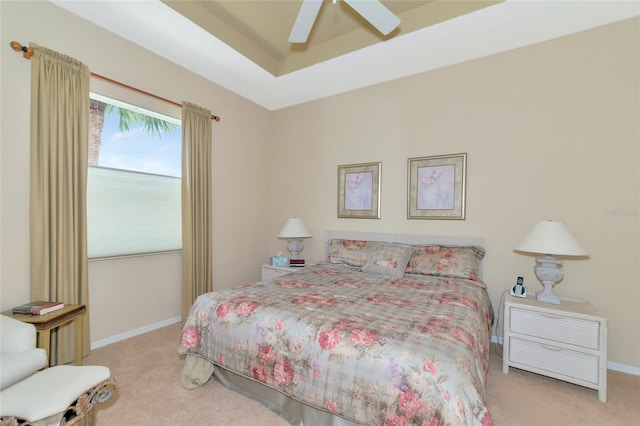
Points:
(551, 131)
(130, 294)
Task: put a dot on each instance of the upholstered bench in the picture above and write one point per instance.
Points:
(19, 357)
(60, 395)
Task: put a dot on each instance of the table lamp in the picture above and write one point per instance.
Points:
(294, 231)
(550, 238)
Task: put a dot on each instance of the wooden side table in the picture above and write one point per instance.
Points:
(47, 322)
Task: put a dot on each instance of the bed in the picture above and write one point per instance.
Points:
(389, 330)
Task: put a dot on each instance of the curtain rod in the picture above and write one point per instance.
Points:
(27, 53)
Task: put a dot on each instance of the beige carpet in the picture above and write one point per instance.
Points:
(147, 368)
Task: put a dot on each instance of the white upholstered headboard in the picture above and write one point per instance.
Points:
(405, 239)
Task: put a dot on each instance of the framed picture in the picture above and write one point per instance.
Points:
(359, 191)
(436, 187)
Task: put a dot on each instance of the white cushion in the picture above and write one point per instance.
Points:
(17, 366)
(16, 336)
(19, 357)
(50, 391)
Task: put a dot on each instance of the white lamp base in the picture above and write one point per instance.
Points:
(294, 247)
(549, 271)
(547, 295)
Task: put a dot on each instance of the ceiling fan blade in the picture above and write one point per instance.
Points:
(304, 22)
(376, 13)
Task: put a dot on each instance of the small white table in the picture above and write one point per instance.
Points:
(566, 341)
(270, 272)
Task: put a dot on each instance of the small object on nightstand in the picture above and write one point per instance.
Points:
(279, 260)
(567, 341)
(519, 290)
(296, 263)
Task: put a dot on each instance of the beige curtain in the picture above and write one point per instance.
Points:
(197, 230)
(58, 180)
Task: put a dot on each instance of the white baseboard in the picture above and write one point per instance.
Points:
(615, 366)
(496, 339)
(132, 333)
(623, 368)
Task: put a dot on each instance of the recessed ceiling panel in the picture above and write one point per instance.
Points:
(259, 29)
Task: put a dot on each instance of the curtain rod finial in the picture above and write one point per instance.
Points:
(16, 46)
(28, 51)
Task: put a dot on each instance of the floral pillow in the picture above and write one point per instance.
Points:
(388, 259)
(349, 252)
(446, 261)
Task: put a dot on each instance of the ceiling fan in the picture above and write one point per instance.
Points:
(371, 10)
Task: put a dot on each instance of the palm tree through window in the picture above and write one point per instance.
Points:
(133, 190)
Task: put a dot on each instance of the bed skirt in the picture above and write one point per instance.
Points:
(197, 371)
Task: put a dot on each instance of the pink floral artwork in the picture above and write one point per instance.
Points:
(358, 190)
(436, 187)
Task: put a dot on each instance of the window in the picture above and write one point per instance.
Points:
(133, 182)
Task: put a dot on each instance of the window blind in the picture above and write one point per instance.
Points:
(132, 213)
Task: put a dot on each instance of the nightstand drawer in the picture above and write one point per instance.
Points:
(555, 360)
(573, 331)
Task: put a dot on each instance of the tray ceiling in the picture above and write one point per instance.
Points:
(259, 29)
(242, 45)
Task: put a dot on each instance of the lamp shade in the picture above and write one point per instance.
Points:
(550, 237)
(294, 228)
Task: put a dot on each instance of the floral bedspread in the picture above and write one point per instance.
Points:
(372, 349)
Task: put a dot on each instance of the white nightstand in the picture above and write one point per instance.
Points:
(270, 272)
(566, 341)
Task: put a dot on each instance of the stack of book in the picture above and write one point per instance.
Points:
(40, 307)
